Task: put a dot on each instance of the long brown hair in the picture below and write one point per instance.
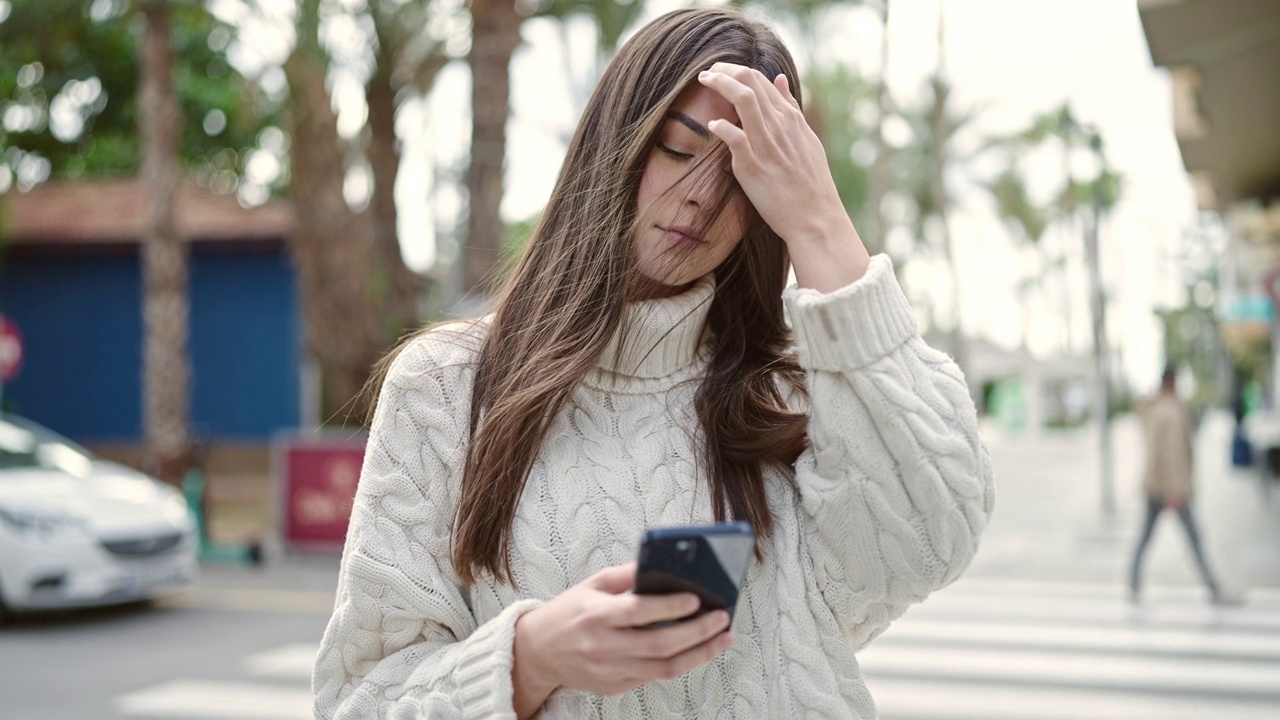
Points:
(565, 299)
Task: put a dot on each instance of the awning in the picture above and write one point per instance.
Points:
(1224, 59)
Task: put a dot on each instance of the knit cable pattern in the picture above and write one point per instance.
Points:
(893, 495)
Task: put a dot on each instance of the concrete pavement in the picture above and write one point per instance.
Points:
(1049, 525)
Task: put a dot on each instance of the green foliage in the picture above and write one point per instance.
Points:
(612, 17)
(1062, 127)
(1192, 339)
(68, 90)
(1106, 189)
(1016, 208)
(832, 100)
(515, 236)
(921, 169)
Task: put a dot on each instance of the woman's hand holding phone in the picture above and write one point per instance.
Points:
(592, 637)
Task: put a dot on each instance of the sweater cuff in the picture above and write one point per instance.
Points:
(854, 326)
(484, 666)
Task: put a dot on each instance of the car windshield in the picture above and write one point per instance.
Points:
(25, 445)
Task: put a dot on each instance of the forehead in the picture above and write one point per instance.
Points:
(704, 105)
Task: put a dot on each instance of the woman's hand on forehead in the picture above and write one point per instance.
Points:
(777, 158)
(782, 167)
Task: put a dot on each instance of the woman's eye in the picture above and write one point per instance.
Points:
(674, 153)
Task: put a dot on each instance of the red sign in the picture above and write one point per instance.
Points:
(318, 482)
(10, 350)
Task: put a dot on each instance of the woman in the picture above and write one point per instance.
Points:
(638, 372)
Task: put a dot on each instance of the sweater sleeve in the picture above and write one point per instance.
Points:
(896, 485)
(402, 641)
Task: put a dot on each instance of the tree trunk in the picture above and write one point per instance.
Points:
(879, 181)
(166, 368)
(332, 245)
(941, 137)
(397, 285)
(1101, 365)
(494, 37)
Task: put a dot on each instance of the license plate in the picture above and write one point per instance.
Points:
(152, 576)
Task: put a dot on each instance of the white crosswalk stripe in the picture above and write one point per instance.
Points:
(279, 689)
(1009, 650)
(980, 650)
(218, 699)
(293, 661)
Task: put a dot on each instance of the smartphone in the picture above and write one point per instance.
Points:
(709, 561)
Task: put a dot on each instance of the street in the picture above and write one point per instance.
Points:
(203, 656)
(1037, 629)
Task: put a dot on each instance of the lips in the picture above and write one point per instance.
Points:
(683, 232)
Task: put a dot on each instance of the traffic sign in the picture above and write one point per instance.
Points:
(10, 350)
(316, 479)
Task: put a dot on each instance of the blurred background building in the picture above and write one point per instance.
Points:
(72, 280)
(1222, 58)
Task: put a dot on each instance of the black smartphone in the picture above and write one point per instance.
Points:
(709, 561)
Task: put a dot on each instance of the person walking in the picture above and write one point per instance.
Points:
(639, 371)
(1167, 479)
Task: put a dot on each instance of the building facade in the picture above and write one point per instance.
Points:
(71, 279)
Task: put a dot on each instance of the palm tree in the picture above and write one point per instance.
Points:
(1060, 128)
(166, 366)
(1101, 195)
(1027, 222)
(1093, 198)
(495, 33)
(331, 245)
(406, 61)
(921, 171)
(358, 294)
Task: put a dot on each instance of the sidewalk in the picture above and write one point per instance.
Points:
(1048, 525)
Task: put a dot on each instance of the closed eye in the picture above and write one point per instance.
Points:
(674, 153)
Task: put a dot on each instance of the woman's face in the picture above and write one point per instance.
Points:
(677, 238)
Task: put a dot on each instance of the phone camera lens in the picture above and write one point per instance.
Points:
(686, 549)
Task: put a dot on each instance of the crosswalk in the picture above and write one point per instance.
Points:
(276, 687)
(979, 650)
(1010, 650)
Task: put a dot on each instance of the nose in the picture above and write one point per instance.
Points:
(703, 186)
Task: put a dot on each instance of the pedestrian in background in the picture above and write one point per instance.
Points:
(1167, 478)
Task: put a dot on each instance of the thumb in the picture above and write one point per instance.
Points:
(614, 580)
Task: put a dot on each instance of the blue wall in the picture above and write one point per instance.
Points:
(81, 320)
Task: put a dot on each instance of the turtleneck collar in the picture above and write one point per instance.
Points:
(661, 336)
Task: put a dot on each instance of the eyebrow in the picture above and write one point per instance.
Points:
(698, 128)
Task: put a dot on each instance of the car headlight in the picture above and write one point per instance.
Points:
(176, 511)
(42, 526)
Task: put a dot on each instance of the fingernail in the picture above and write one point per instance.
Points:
(725, 641)
(692, 603)
(704, 74)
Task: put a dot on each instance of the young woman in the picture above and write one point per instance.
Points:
(638, 372)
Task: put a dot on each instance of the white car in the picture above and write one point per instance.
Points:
(77, 531)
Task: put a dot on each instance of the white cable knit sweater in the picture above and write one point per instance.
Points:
(894, 492)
